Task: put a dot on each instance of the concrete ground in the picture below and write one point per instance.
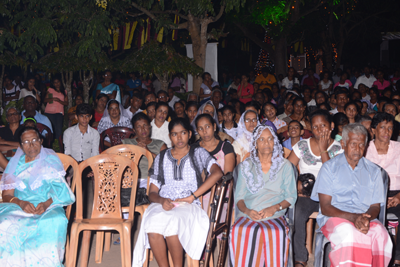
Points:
(113, 257)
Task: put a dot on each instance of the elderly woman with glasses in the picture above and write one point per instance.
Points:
(33, 226)
(265, 188)
(248, 121)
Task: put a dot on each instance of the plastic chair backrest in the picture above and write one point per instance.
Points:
(131, 152)
(110, 173)
(49, 135)
(70, 161)
(116, 135)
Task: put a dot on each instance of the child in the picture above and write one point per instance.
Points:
(151, 110)
(295, 131)
(191, 110)
(340, 120)
(220, 117)
(30, 122)
(175, 219)
(229, 126)
(305, 184)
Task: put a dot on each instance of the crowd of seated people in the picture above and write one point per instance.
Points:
(333, 132)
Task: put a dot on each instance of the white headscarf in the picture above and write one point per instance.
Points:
(200, 111)
(243, 132)
(255, 181)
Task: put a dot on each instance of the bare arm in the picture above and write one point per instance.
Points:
(360, 220)
(154, 197)
(229, 163)
(293, 158)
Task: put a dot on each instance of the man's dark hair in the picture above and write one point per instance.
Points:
(139, 116)
(138, 96)
(380, 117)
(341, 91)
(254, 104)
(83, 109)
(161, 92)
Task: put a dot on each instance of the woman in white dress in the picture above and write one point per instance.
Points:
(175, 219)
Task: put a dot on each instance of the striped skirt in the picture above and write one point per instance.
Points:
(264, 243)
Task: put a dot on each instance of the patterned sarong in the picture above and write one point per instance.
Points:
(352, 248)
(264, 243)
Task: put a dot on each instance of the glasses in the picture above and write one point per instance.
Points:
(250, 120)
(33, 142)
(162, 96)
(12, 114)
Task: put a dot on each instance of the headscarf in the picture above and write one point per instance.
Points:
(255, 181)
(200, 111)
(121, 110)
(46, 166)
(243, 132)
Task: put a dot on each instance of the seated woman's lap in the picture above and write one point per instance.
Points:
(188, 221)
(259, 238)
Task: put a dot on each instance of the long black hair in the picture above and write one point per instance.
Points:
(62, 89)
(211, 120)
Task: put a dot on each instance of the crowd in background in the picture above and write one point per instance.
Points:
(299, 120)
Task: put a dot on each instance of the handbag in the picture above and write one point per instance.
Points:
(141, 197)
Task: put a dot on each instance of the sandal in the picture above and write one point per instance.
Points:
(117, 242)
(304, 264)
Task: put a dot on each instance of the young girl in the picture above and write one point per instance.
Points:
(340, 120)
(100, 106)
(269, 112)
(229, 126)
(151, 110)
(159, 125)
(56, 99)
(351, 111)
(175, 219)
(191, 110)
(295, 131)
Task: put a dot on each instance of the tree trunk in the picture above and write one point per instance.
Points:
(87, 81)
(3, 67)
(198, 34)
(163, 78)
(281, 56)
(67, 81)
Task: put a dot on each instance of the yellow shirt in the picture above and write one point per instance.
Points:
(262, 81)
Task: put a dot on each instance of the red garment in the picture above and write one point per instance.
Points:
(249, 90)
(309, 82)
(97, 117)
(120, 81)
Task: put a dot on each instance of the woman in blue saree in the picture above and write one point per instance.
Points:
(109, 88)
(33, 225)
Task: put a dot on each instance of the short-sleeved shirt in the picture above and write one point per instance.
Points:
(351, 190)
(7, 135)
(288, 143)
(249, 90)
(309, 163)
(289, 84)
(269, 79)
(346, 84)
(389, 161)
(380, 85)
(55, 107)
(226, 149)
(180, 180)
(368, 82)
(39, 119)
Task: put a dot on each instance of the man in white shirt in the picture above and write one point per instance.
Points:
(216, 97)
(368, 79)
(136, 103)
(336, 77)
(341, 100)
(82, 141)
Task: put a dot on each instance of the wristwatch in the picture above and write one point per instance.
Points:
(280, 206)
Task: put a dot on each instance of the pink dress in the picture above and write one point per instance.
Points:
(55, 107)
(380, 85)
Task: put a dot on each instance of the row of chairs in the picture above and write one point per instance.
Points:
(116, 167)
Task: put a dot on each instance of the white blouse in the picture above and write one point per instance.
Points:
(161, 133)
(180, 180)
(310, 163)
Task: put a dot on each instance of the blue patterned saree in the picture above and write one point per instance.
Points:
(29, 239)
